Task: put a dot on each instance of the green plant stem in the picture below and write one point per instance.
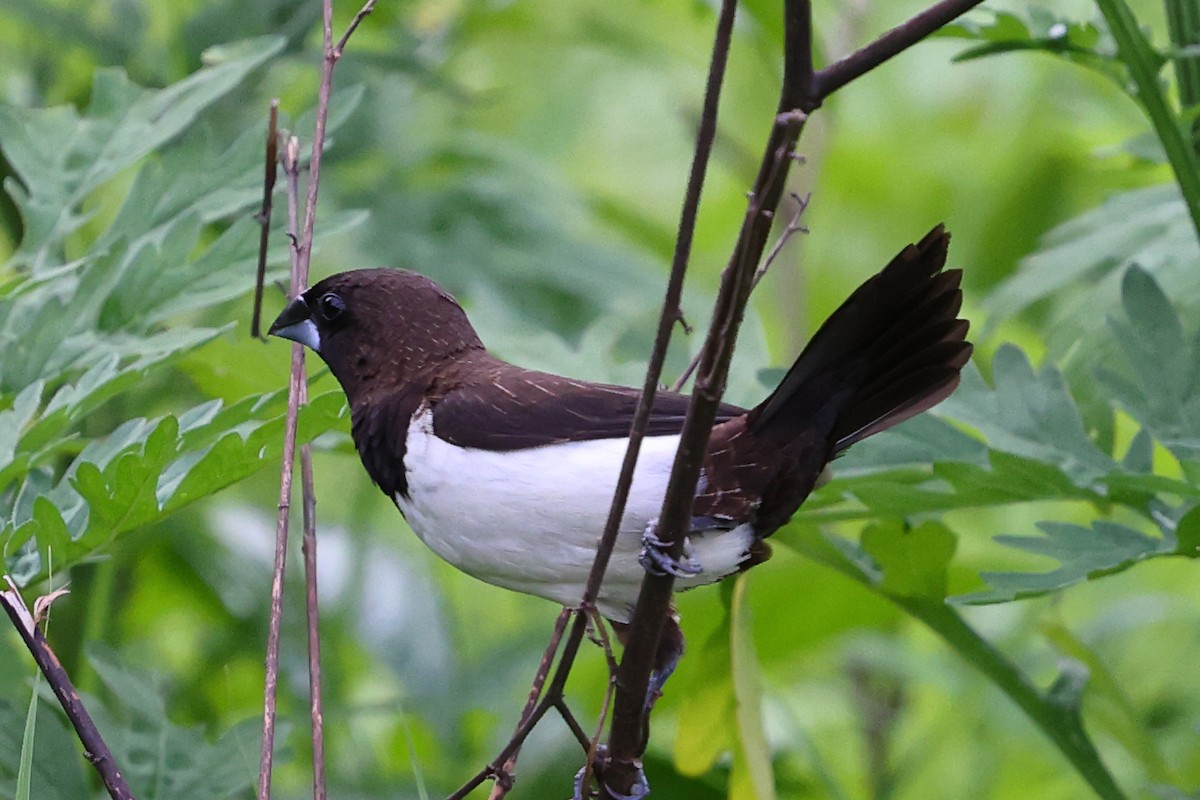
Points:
(1058, 718)
(1060, 721)
(1183, 25)
(1144, 64)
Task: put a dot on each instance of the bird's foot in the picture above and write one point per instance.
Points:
(654, 690)
(655, 559)
(639, 790)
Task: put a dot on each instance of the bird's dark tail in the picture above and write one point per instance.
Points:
(892, 350)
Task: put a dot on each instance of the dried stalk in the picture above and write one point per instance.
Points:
(297, 396)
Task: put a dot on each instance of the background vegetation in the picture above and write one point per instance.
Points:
(531, 157)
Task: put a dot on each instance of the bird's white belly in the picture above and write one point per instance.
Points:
(530, 520)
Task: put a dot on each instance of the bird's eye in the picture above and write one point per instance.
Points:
(330, 306)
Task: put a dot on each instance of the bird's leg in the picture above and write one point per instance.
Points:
(670, 650)
(655, 559)
(641, 787)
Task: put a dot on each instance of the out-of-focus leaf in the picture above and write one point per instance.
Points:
(708, 720)
(1111, 703)
(1082, 553)
(913, 561)
(752, 776)
(1034, 27)
(1160, 385)
(163, 761)
(1149, 227)
(61, 157)
(53, 776)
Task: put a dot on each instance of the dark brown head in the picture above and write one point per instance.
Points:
(378, 329)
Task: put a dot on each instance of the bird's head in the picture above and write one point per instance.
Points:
(378, 327)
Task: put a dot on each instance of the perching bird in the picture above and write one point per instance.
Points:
(508, 473)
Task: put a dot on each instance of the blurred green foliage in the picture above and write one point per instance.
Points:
(531, 157)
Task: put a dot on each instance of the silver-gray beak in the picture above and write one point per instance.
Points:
(295, 323)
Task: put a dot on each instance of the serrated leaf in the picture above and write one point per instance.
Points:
(1148, 226)
(1082, 553)
(61, 157)
(1159, 385)
(924, 439)
(1030, 414)
(147, 469)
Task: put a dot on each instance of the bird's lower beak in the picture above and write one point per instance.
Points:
(295, 323)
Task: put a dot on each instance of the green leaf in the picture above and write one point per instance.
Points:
(1030, 414)
(1159, 383)
(163, 761)
(707, 721)
(1187, 533)
(1035, 27)
(147, 469)
(752, 776)
(1149, 227)
(55, 774)
(61, 157)
(1083, 553)
(1111, 703)
(913, 561)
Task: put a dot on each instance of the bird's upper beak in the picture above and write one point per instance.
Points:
(295, 322)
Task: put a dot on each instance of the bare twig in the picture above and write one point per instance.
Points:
(793, 227)
(271, 683)
(802, 91)
(535, 691)
(309, 514)
(362, 13)
(670, 315)
(594, 745)
(900, 38)
(297, 396)
(264, 217)
(94, 747)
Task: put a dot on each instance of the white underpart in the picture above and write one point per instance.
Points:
(530, 520)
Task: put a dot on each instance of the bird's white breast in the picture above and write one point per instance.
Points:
(530, 520)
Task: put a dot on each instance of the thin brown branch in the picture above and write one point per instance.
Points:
(297, 395)
(671, 311)
(670, 315)
(94, 747)
(802, 90)
(900, 38)
(264, 217)
(791, 229)
(354, 23)
(535, 691)
(308, 545)
(627, 738)
(271, 683)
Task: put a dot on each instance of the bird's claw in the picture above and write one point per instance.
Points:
(655, 559)
(639, 790)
